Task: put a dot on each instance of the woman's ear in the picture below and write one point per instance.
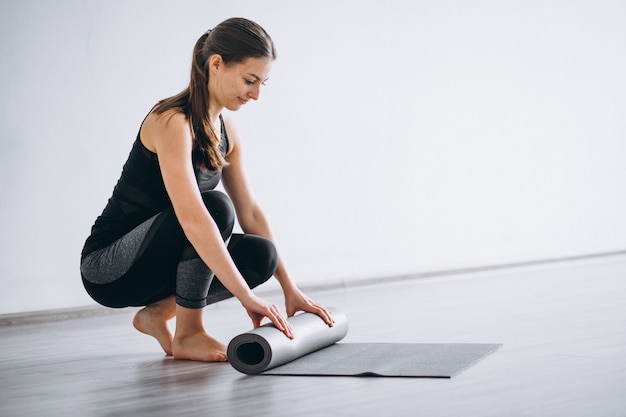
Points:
(215, 63)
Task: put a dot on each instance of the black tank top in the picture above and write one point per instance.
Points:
(140, 194)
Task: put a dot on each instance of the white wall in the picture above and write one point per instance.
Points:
(392, 138)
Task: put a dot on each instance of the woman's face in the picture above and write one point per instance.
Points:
(232, 86)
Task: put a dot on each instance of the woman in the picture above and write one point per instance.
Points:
(166, 234)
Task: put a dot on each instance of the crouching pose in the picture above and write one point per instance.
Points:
(165, 239)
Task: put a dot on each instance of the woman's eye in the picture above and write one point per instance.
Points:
(250, 82)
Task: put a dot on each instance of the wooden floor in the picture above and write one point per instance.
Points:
(563, 327)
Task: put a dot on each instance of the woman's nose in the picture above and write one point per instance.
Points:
(254, 92)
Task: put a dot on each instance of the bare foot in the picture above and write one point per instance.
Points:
(199, 347)
(152, 321)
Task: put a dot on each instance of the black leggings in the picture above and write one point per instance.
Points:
(155, 260)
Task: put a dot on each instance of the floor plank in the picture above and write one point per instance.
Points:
(563, 327)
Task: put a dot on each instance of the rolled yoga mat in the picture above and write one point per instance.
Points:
(266, 347)
(314, 351)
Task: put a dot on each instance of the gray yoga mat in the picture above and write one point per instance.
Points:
(266, 347)
(417, 360)
(314, 351)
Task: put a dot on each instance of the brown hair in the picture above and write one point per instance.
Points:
(234, 40)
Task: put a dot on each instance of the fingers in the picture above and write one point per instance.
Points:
(271, 312)
(320, 310)
(312, 307)
(324, 314)
(279, 321)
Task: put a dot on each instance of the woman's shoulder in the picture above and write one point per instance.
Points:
(167, 120)
(157, 126)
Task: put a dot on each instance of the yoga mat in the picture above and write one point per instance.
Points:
(314, 351)
(266, 347)
(417, 360)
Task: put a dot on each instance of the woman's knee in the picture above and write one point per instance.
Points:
(268, 256)
(254, 253)
(221, 209)
(255, 257)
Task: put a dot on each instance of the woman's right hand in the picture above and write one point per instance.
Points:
(258, 309)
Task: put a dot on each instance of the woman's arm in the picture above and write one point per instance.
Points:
(169, 136)
(252, 220)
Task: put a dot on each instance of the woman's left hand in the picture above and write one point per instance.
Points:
(296, 301)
